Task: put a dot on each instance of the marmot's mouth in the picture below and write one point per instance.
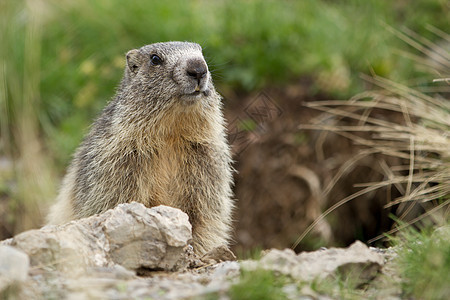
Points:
(198, 93)
(191, 98)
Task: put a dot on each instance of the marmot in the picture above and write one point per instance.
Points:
(160, 140)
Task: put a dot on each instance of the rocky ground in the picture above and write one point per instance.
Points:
(133, 252)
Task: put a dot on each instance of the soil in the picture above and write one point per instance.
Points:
(282, 174)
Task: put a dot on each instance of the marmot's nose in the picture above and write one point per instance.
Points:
(196, 68)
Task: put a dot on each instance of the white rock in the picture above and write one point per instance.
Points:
(14, 264)
(357, 261)
(131, 235)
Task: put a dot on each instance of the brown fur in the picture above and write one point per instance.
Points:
(161, 140)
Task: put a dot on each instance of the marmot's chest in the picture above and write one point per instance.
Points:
(174, 173)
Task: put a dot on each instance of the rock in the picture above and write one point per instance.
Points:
(14, 266)
(101, 257)
(357, 261)
(130, 235)
(157, 241)
(441, 233)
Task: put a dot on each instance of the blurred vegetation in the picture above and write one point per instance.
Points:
(424, 261)
(259, 285)
(61, 60)
(79, 48)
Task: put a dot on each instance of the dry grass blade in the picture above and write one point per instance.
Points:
(331, 209)
(421, 217)
(419, 135)
(437, 55)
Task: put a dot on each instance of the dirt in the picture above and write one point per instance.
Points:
(282, 174)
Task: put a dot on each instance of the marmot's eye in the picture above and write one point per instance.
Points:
(155, 60)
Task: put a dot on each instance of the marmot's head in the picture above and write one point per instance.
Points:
(168, 73)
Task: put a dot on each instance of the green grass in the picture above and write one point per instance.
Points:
(424, 263)
(339, 288)
(258, 285)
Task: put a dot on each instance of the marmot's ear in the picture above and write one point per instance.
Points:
(133, 60)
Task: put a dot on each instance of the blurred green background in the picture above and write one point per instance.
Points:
(61, 60)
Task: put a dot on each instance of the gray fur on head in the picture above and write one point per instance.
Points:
(161, 140)
(176, 58)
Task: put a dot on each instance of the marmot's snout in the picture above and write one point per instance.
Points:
(196, 68)
(197, 73)
(193, 77)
